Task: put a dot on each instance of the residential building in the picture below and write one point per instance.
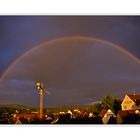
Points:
(108, 117)
(128, 117)
(131, 102)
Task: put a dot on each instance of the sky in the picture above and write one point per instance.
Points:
(76, 69)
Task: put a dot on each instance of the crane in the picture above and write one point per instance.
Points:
(42, 90)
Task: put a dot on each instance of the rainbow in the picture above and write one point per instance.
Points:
(70, 38)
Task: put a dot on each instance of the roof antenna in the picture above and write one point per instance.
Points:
(134, 92)
(134, 95)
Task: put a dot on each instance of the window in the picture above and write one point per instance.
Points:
(124, 107)
(133, 106)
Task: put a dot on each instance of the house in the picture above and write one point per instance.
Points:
(108, 117)
(128, 117)
(131, 102)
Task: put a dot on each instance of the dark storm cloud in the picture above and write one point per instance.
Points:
(14, 91)
(19, 33)
(74, 71)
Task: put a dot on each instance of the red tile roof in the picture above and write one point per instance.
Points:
(124, 113)
(134, 97)
(102, 113)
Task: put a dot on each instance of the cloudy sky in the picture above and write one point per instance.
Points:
(78, 60)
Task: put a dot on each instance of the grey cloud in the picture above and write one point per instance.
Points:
(73, 70)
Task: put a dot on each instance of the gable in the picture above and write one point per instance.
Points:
(127, 100)
(110, 113)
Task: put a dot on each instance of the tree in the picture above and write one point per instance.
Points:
(110, 102)
(116, 105)
(97, 107)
